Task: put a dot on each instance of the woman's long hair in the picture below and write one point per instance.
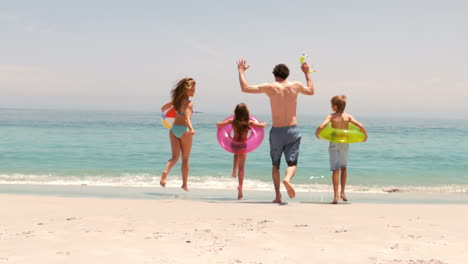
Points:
(241, 120)
(179, 93)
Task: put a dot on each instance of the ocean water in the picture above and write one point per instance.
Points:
(104, 148)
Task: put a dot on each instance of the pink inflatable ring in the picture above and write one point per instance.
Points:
(229, 144)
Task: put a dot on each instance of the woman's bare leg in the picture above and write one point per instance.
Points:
(175, 149)
(186, 147)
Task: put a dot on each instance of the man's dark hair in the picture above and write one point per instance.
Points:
(281, 71)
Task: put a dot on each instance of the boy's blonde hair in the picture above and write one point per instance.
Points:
(340, 102)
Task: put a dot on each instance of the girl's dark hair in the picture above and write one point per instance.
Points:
(178, 93)
(241, 120)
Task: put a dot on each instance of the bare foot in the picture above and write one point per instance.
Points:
(277, 199)
(289, 188)
(162, 182)
(239, 193)
(343, 196)
(234, 174)
(184, 186)
(335, 200)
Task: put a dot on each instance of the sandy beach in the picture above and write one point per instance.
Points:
(48, 229)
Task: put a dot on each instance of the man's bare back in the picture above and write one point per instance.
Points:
(283, 101)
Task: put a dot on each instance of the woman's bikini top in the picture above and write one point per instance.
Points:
(181, 113)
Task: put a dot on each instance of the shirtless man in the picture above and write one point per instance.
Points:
(284, 135)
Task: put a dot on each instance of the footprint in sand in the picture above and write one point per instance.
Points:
(420, 261)
(26, 233)
(342, 230)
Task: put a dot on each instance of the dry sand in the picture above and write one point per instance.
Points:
(46, 229)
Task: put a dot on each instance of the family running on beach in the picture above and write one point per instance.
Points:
(284, 134)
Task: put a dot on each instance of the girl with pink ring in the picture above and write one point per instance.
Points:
(241, 123)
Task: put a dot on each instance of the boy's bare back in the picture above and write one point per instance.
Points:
(340, 120)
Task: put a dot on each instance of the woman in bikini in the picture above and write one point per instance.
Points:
(182, 131)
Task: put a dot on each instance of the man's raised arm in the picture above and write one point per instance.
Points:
(245, 87)
(309, 90)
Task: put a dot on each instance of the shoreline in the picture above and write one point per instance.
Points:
(225, 195)
(314, 184)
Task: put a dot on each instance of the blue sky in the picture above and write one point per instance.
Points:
(391, 58)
